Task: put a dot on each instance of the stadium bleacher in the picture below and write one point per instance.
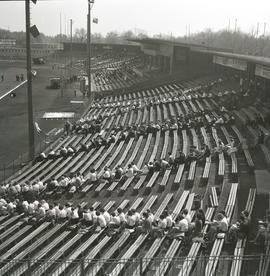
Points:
(149, 126)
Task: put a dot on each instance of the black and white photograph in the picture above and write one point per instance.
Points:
(134, 138)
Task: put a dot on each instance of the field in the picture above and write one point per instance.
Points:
(13, 111)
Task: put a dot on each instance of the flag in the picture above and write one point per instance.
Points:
(95, 20)
(38, 129)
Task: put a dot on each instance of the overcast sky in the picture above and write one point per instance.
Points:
(151, 16)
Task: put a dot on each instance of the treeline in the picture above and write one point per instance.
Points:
(237, 41)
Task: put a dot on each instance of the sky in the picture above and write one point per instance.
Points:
(150, 16)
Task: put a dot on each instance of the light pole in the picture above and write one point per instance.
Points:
(90, 4)
(31, 133)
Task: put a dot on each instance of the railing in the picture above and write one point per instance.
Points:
(136, 266)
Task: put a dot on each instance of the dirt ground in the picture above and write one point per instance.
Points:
(13, 111)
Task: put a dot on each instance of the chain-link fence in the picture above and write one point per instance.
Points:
(250, 265)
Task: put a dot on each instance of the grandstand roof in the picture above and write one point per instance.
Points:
(254, 59)
(207, 50)
(177, 43)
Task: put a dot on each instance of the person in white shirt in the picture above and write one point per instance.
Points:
(62, 214)
(130, 220)
(135, 168)
(107, 174)
(74, 217)
(51, 213)
(36, 187)
(136, 215)
(180, 227)
(63, 183)
(161, 227)
(220, 225)
(145, 169)
(44, 204)
(169, 220)
(121, 215)
(41, 213)
(164, 164)
(92, 176)
(106, 215)
(129, 171)
(25, 205)
(101, 221)
(57, 210)
(151, 216)
(87, 217)
(93, 214)
(114, 221)
(187, 217)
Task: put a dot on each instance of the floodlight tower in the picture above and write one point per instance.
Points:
(89, 92)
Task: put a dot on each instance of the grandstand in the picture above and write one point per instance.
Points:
(223, 99)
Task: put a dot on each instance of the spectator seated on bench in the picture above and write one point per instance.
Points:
(52, 155)
(160, 226)
(157, 165)
(180, 159)
(231, 147)
(205, 152)
(130, 221)
(193, 155)
(129, 171)
(220, 147)
(180, 227)
(107, 174)
(115, 221)
(84, 147)
(240, 229)
(263, 233)
(118, 173)
(101, 221)
(92, 177)
(136, 170)
(42, 156)
(164, 164)
(220, 225)
(145, 225)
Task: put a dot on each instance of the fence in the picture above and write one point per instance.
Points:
(251, 265)
(6, 170)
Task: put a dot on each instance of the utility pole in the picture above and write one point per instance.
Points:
(31, 133)
(71, 48)
(89, 92)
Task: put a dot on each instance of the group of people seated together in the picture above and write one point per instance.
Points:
(187, 226)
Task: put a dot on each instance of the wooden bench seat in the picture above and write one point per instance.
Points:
(241, 243)
(23, 243)
(164, 180)
(218, 243)
(194, 250)
(135, 245)
(139, 184)
(244, 148)
(36, 245)
(214, 197)
(206, 169)
(152, 180)
(100, 187)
